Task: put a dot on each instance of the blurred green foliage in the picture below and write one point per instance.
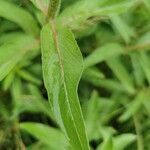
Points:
(114, 92)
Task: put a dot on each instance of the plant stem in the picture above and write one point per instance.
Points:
(53, 9)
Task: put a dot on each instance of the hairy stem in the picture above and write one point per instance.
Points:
(53, 9)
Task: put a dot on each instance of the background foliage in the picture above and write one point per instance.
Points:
(114, 38)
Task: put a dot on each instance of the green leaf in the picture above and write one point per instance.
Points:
(77, 15)
(136, 104)
(122, 27)
(116, 8)
(13, 52)
(32, 102)
(146, 105)
(92, 114)
(46, 134)
(20, 16)
(62, 64)
(6, 67)
(11, 37)
(144, 42)
(119, 142)
(7, 26)
(121, 73)
(145, 64)
(39, 146)
(106, 145)
(8, 81)
(16, 90)
(29, 77)
(93, 72)
(123, 140)
(103, 53)
(137, 70)
(109, 84)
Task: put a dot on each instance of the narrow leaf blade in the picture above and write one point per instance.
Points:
(20, 16)
(45, 134)
(103, 53)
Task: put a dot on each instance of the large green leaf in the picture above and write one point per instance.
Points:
(20, 16)
(62, 69)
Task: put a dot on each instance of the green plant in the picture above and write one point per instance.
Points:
(41, 66)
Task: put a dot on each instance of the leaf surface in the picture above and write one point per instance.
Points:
(62, 68)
